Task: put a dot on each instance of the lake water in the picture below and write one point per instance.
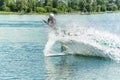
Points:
(23, 39)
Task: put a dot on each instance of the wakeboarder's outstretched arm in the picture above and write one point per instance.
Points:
(51, 22)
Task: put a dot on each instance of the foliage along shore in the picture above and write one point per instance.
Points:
(34, 13)
(58, 6)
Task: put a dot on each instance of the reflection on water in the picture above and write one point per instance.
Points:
(57, 68)
(80, 68)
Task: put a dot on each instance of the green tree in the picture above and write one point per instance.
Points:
(43, 6)
(50, 3)
(115, 7)
(94, 6)
(118, 4)
(46, 3)
(48, 8)
(82, 5)
(98, 8)
(55, 3)
(100, 2)
(39, 3)
(112, 7)
(12, 6)
(55, 10)
(1, 3)
(69, 10)
(40, 10)
(62, 7)
(4, 7)
(22, 5)
(75, 5)
(89, 8)
(103, 8)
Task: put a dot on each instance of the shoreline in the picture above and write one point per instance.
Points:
(77, 12)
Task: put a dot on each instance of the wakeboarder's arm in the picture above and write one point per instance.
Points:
(53, 25)
(46, 22)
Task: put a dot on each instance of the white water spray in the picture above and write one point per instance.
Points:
(87, 41)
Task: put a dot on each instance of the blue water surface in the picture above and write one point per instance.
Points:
(22, 41)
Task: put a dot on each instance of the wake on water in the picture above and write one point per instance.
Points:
(85, 41)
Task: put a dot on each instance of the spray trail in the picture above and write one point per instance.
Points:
(87, 41)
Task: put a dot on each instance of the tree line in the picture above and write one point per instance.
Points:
(59, 6)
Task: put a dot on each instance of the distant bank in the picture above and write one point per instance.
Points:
(76, 12)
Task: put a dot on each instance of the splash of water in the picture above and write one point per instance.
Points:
(87, 41)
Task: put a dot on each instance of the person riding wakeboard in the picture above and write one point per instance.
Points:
(51, 21)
